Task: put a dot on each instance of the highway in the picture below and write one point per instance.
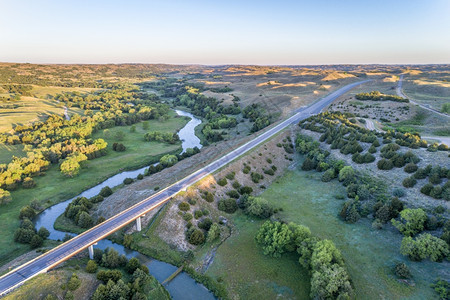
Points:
(81, 242)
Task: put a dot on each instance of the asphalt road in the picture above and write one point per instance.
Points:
(79, 243)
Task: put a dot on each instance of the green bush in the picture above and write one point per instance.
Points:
(385, 164)
(187, 217)
(411, 168)
(205, 224)
(222, 182)
(409, 182)
(209, 197)
(36, 241)
(106, 191)
(198, 214)
(227, 205)
(74, 282)
(256, 177)
(233, 194)
(91, 266)
(196, 237)
(184, 206)
(402, 271)
(245, 190)
(128, 181)
(230, 176)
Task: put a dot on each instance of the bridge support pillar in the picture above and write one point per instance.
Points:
(138, 224)
(91, 251)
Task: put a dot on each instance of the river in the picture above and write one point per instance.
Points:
(182, 286)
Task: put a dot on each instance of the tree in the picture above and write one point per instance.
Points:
(424, 246)
(91, 266)
(259, 207)
(346, 175)
(110, 258)
(412, 221)
(127, 240)
(36, 241)
(168, 160)
(328, 175)
(385, 164)
(119, 135)
(132, 265)
(409, 182)
(274, 237)
(43, 232)
(411, 168)
(27, 212)
(184, 206)
(105, 276)
(5, 197)
(85, 220)
(205, 224)
(213, 233)
(23, 235)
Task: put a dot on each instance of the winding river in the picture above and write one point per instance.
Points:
(182, 286)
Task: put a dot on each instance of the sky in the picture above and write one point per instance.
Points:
(226, 32)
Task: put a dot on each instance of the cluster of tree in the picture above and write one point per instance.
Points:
(157, 136)
(57, 140)
(256, 114)
(391, 158)
(378, 96)
(27, 234)
(329, 277)
(417, 245)
(78, 209)
(169, 160)
(224, 89)
(20, 89)
(140, 284)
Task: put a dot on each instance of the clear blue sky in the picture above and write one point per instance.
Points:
(225, 32)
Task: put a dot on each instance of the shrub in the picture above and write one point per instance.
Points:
(209, 197)
(108, 275)
(198, 214)
(205, 224)
(402, 271)
(398, 192)
(91, 266)
(442, 288)
(246, 190)
(128, 181)
(236, 185)
(230, 176)
(184, 206)
(213, 233)
(192, 201)
(106, 191)
(119, 147)
(346, 175)
(420, 174)
(328, 175)
(222, 182)
(435, 179)
(74, 282)
(97, 199)
(187, 217)
(227, 205)
(436, 192)
(426, 189)
(409, 182)
(140, 176)
(28, 183)
(385, 164)
(256, 177)
(233, 194)
(246, 169)
(197, 237)
(270, 172)
(411, 168)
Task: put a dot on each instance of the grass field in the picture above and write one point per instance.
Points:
(427, 91)
(7, 152)
(53, 187)
(248, 274)
(30, 109)
(369, 254)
